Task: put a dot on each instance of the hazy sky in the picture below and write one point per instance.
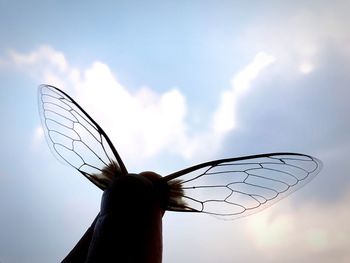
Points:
(174, 84)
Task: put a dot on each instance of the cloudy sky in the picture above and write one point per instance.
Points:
(175, 83)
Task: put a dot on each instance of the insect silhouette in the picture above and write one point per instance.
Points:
(226, 188)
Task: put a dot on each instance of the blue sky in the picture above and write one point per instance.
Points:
(174, 84)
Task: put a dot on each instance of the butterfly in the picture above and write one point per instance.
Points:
(226, 188)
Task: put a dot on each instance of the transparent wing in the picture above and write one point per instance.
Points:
(76, 139)
(237, 187)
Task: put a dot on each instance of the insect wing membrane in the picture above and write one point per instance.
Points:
(236, 187)
(76, 139)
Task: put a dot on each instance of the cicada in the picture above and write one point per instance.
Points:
(226, 188)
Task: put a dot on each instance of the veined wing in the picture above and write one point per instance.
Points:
(236, 187)
(76, 139)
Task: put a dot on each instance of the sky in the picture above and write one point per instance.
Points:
(173, 84)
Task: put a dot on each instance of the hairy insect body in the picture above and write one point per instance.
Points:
(176, 195)
(129, 226)
(170, 194)
(108, 173)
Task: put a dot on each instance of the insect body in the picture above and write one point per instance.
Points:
(226, 188)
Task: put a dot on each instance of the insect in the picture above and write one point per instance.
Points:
(226, 188)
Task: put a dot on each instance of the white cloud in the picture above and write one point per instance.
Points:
(143, 123)
(317, 228)
(45, 54)
(40, 63)
(301, 36)
(243, 79)
(269, 232)
(224, 119)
